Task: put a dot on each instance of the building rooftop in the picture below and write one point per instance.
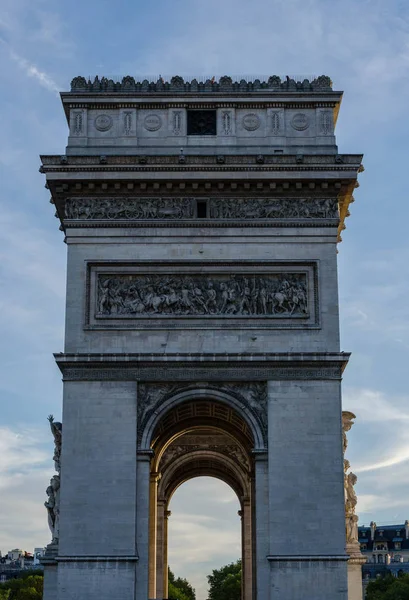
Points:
(177, 84)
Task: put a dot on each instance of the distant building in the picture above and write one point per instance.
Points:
(16, 561)
(385, 544)
(386, 548)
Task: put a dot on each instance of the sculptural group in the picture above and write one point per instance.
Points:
(279, 295)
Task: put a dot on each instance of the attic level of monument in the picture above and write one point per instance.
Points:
(130, 117)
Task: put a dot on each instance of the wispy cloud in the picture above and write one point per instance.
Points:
(33, 71)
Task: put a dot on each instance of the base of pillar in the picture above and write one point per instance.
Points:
(50, 583)
(355, 562)
(307, 578)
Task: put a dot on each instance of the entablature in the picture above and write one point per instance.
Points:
(135, 191)
(202, 367)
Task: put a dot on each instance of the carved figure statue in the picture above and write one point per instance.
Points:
(350, 496)
(276, 295)
(53, 507)
(56, 430)
(347, 422)
(351, 526)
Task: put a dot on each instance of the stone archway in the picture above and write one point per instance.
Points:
(193, 438)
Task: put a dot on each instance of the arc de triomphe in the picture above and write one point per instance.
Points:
(202, 330)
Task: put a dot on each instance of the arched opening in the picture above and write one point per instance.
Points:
(204, 530)
(199, 438)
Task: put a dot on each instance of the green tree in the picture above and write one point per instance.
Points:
(179, 589)
(389, 588)
(225, 583)
(27, 587)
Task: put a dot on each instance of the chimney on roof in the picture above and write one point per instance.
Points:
(407, 529)
(373, 528)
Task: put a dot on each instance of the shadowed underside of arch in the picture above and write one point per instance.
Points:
(201, 413)
(202, 463)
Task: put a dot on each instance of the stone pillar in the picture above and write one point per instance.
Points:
(160, 550)
(165, 558)
(306, 492)
(142, 524)
(50, 578)
(355, 562)
(240, 513)
(247, 550)
(153, 520)
(261, 505)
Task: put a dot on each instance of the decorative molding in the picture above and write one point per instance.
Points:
(78, 118)
(233, 451)
(103, 122)
(244, 160)
(181, 208)
(177, 84)
(127, 123)
(251, 122)
(278, 295)
(163, 371)
(326, 123)
(300, 122)
(275, 123)
(152, 122)
(252, 395)
(227, 120)
(177, 122)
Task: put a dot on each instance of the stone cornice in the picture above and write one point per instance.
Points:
(201, 367)
(260, 162)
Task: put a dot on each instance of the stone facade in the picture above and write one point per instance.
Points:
(201, 221)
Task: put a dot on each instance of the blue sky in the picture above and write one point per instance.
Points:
(364, 46)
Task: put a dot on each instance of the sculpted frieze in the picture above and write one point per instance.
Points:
(270, 208)
(275, 295)
(233, 451)
(129, 208)
(180, 208)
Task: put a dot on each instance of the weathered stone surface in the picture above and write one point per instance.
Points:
(202, 295)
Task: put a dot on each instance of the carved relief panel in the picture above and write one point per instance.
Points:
(127, 122)
(275, 122)
(152, 123)
(226, 122)
(185, 208)
(177, 122)
(102, 124)
(78, 122)
(300, 123)
(251, 122)
(140, 296)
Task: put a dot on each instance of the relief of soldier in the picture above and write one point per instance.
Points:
(268, 208)
(184, 208)
(129, 208)
(278, 295)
